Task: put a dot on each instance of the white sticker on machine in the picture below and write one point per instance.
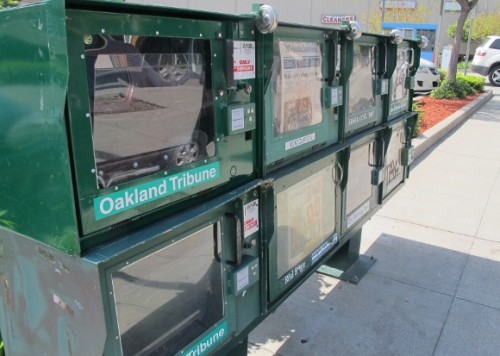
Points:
(251, 217)
(244, 60)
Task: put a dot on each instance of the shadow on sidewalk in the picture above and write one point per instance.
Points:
(418, 299)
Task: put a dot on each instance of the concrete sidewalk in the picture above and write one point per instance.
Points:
(435, 288)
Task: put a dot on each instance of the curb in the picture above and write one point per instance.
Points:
(423, 142)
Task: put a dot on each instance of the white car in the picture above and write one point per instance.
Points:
(427, 77)
(487, 60)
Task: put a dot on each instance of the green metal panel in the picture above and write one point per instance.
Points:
(35, 185)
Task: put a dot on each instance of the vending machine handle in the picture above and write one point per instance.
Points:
(385, 60)
(412, 56)
(332, 63)
(238, 238)
(379, 143)
(408, 134)
(374, 60)
(216, 243)
(337, 178)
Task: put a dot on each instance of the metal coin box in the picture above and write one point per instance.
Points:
(170, 176)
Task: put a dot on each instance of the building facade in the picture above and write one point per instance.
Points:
(369, 13)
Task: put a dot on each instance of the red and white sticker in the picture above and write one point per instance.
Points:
(251, 217)
(244, 60)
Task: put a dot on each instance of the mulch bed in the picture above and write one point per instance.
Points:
(436, 110)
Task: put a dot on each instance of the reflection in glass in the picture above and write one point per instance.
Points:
(11, 4)
(297, 81)
(151, 104)
(431, 36)
(362, 79)
(305, 218)
(359, 186)
(167, 299)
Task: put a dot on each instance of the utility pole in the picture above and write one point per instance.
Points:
(437, 46)
(382, 18)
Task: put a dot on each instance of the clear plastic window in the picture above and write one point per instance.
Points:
(393, 166)
(297, 81)
(362, 79)
(169, 298)
(399, 76)
(305, 218)
(151, 103)
(359, 187)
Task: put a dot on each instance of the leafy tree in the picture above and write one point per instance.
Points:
(452, 30)
(373, 19)
(486, 23)
(465, 8)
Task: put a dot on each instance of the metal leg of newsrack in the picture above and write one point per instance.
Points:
(347, 264)
(238, 349)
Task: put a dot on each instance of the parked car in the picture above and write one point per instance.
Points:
(487, 60)
(427, 77)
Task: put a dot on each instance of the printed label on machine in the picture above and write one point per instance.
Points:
(208, 343)
(237, 119)
(126, 199)
(300, 141)
(358, 214)
(251, 217)
(244, 60)
(242, 279)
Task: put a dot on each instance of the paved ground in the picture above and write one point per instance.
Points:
(435, 288)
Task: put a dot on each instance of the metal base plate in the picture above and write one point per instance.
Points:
(352, 273)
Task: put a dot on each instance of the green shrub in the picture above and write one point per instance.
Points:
(468, 89)
(462, 65)
(476, 82)
(416, 128)
(452, 90)
(442, 74)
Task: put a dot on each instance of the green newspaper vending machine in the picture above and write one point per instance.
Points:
(171, 176)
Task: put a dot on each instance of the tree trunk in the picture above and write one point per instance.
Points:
(465, 7)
